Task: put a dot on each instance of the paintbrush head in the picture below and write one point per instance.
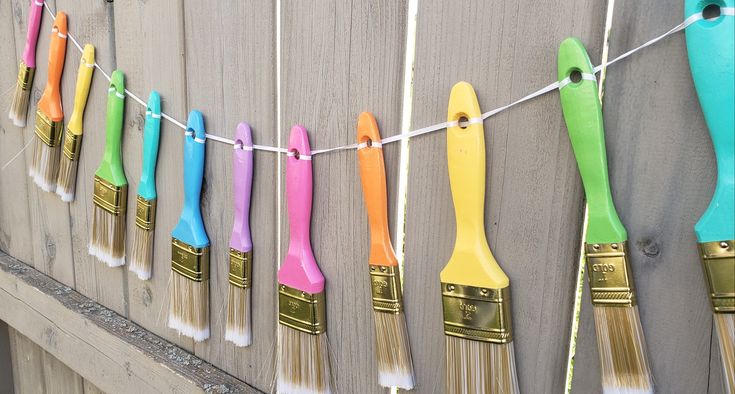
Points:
(623, 357)
(107, 241)
(480, 367)
(725, 323)
(45, 165)
(395, 366)
(189, 308)
(303, 362)
(239, 324)
(141, 256)
(67, 180)
(19, 106)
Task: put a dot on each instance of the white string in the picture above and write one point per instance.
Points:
(725, 11)
(586, 77)
(12, 159)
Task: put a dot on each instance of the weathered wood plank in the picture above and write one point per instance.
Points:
(90, 388)
(59, 378)
(155, 62)
(15, 222)
(27, 364)
(533, 195)
(92, 22)
(6, 360)
(339, 59)
(662, 173)
(110, 351)
(231, 77)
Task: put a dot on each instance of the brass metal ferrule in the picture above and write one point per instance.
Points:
(385, 284)
(72, 145)
(145, 213)
(302, 311)
(188, 261)
(476, 313)
(610, 276)
(25, 76)
(718, 261)
(241, 268)
(111, 198)
(47, 130)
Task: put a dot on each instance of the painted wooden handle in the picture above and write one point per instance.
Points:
(190, 228)
(242, 184)
(583, 116)
(372, 174)
(35, 12)
(50, 103)
(81, 92)
(471, 263)
(111, 169)
(151, 140)
(711, 49)
(299, 270)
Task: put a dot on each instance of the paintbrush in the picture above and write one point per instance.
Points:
(239, 329)
(623, 358)
(189, 305)
(67, 179)
(27, 67)
(50, 114)
(711, 49)
(302, 358)
(475, 291)
(107, 242)
(141, 257)
(395, 368)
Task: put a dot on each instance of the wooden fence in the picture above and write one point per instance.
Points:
(337, 59)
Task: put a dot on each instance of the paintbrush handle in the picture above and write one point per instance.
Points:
(151, 138)
(50, 103)
(583, 116)
(111, 169)
(471, 262)
(242, 184)
(35, 11)
(711, 50)
(84, 81)
(372, 175)
(190, 228)
(299, 269)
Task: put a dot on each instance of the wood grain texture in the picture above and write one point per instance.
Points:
(339, 59)
(662, 172)
(15, 222)
(59, 378)
(149, 49)
(231, 78)
(90, 388)
(533, 195)
(27, 364)
(112, 352)
(6, 360)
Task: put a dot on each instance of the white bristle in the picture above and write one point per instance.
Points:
(302, 362)
(480, 367)
(189, 307)
(239, 329)
(395, 367)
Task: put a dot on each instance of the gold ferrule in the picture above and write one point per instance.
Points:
(302, 311)
(25, 76)
(385, 284)
(145, 213)
(188, 261)
(476, 313)
(111, 198)
(609, 273)
(72, 145)
(718, 261)
(241, 268)
(47, 130)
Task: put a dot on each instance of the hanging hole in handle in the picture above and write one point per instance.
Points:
(369, 143)
(295, 153)
(239, 145)
(575, 76)
(711, 12)
(463, 122)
